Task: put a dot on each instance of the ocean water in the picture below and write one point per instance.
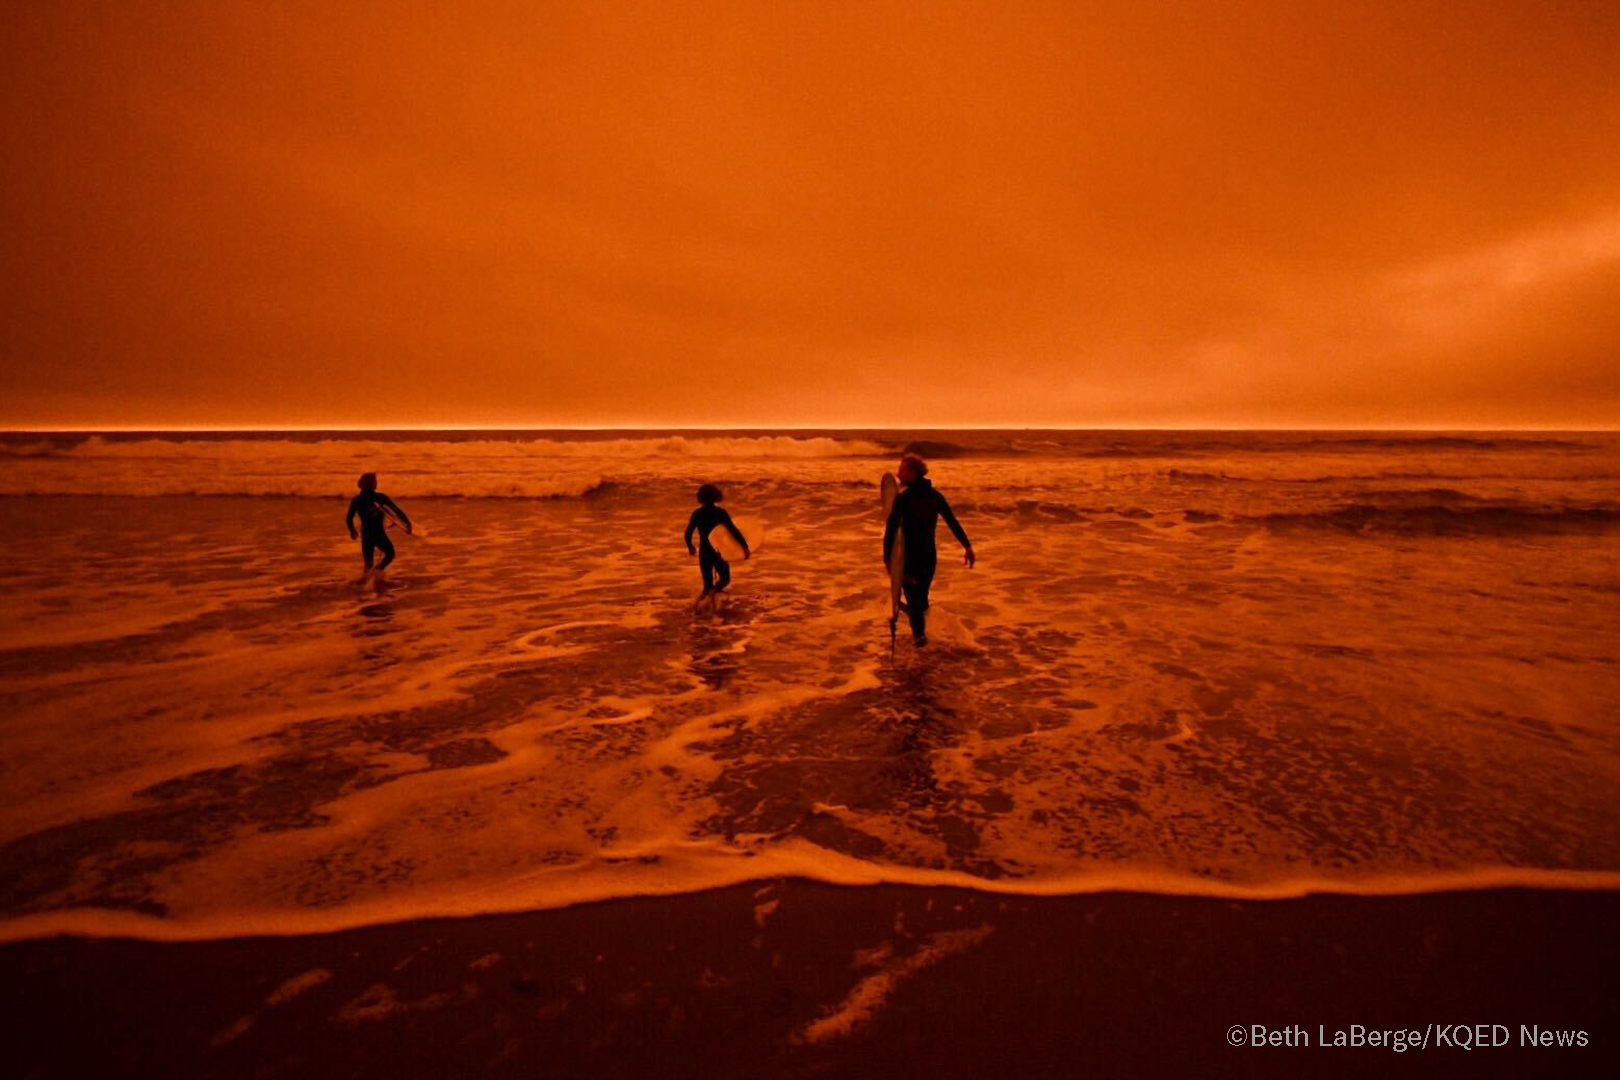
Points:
(1232, 663)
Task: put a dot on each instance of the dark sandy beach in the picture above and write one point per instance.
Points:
(790, 978)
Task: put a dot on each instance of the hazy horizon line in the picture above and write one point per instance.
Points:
(428, 428)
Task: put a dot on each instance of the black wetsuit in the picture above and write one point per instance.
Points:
(374, 524)
(915, 514)
(716, 571)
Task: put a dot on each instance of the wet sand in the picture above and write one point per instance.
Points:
(793, 978)
(211, 725)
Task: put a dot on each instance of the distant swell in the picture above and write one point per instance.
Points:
(1599, 474)
(941, 450)
(1393, 442)
(1449, 520)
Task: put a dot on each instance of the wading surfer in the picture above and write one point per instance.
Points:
(374, 509)
(914, 516)
(704, 520)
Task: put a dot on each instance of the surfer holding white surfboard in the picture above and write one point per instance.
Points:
(913, 514)
(704, 521)
(374, 509)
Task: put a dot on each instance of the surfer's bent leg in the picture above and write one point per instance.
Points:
(386, 546)
(367, 548)
(706, 560)
(722, 571)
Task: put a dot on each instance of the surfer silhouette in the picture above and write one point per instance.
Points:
(704, 520)
(914, 517)
(373, 508)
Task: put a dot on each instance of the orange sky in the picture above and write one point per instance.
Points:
(928, 214)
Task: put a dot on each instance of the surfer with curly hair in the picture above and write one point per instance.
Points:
(704, 520)
(373, 508)
(913, 517)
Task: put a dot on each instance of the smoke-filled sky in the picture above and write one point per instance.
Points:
(811, 214)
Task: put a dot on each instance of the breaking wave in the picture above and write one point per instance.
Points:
(98, 465)
(317, 486)
(199, 447)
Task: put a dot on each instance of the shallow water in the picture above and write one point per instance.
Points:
(1249, 663)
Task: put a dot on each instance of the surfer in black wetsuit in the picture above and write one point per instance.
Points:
(916, 513)
(373, 508)
(704, 520)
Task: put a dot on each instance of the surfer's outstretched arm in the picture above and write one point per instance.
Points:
(691, 527)
(392, 505)
(731, 527)
(348, 519)
(956, 529)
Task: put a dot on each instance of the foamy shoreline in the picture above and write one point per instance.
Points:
(847, 873)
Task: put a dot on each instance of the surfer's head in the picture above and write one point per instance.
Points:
(912, 468)
(368, 481)
(708, 495)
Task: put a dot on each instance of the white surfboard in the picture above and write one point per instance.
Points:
(722, 541)
(392, 520)
(897, 554)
